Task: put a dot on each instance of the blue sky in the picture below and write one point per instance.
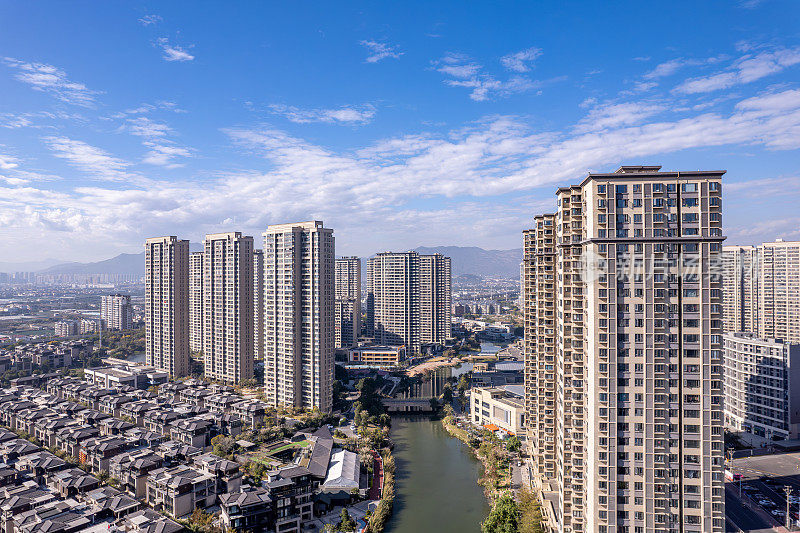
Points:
(399, 124)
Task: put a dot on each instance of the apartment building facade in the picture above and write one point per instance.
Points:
(167, 304)
(116, 311)
(196, 301)
(348, 301)
(637, 338)
(228, 307)
(779, 291)
(409, 300)
(740, 290)
(258, 305)
(299, 297)
(762, 387)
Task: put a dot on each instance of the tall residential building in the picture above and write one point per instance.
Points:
(348, 302)
(624, 387)
(258, 304)
(740, 288)
(409, 299)
(228, 306)
(196, 301)
(167, 304)
(762, 387)
(116, 311)
(779, 291)
(299, 285)
(538, 293)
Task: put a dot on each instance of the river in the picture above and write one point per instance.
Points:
(436, 482)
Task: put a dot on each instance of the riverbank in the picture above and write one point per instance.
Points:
(496, 479)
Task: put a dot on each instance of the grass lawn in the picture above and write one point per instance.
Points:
(299, 444)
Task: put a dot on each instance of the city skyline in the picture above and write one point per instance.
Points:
(465, 120)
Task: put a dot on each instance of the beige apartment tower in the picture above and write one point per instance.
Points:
(348, 301)
(167, 304)
(779, 291)
(258, 305)
(740, 267)
(299, 294)
(408, 299)
(116, 311)
(228, 307)
(623, 353)
(196, 301)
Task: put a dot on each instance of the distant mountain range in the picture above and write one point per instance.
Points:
(466, 261)
(28, 266)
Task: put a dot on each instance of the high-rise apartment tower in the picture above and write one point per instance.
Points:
(624, 355)
(348, 301)
(167, 304)
(116, 311)
(299, 299)
(228, 307)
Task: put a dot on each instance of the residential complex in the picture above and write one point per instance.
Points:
(299, 315)
(381, 356)
(167, 304)
(624, 354)
(228, 307)
(196, 301)
(762, 387)
(348, 301)
(762, 290)
(258, 305)
(409, 299)
(116, 311)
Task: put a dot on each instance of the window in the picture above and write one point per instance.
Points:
(689, 187)
(690, 202)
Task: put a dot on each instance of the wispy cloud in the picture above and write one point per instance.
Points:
(608, 116)
(52, 80)
(7, 162)
(145, 127)
(464, 72)
(519, 61)
(165, 154)
(343, 115)
(746, 69)
(89, 159)
(379, 50)
(148, 20)
(173, 52)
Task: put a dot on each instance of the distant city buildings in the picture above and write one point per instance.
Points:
(167, 304)
(116, 311)
(299, 270)
(66, 328)
(228, 307)
(623, 353)
(348, 302)
(409, 299)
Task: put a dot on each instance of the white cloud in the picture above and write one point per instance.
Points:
(145, 127)
(463, 72)
(52, 80)
(7, 162)
(342, 115)
(164, 155)
(746, 69)
(378, 51)
(608, 116)
(147, 20)
(467, 174)
(173, 52)
(89, 159)
(518, 62)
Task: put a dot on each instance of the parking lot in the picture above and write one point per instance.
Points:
(763, 491)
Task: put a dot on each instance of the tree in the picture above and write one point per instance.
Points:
(434, 405)
(447, 393)
(346, 523)
(530, 520)
(513, 444)
(503, 518)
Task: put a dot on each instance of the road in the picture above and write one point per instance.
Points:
(744, 518)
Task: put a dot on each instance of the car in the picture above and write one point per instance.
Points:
(777, 512)
(765, 503)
